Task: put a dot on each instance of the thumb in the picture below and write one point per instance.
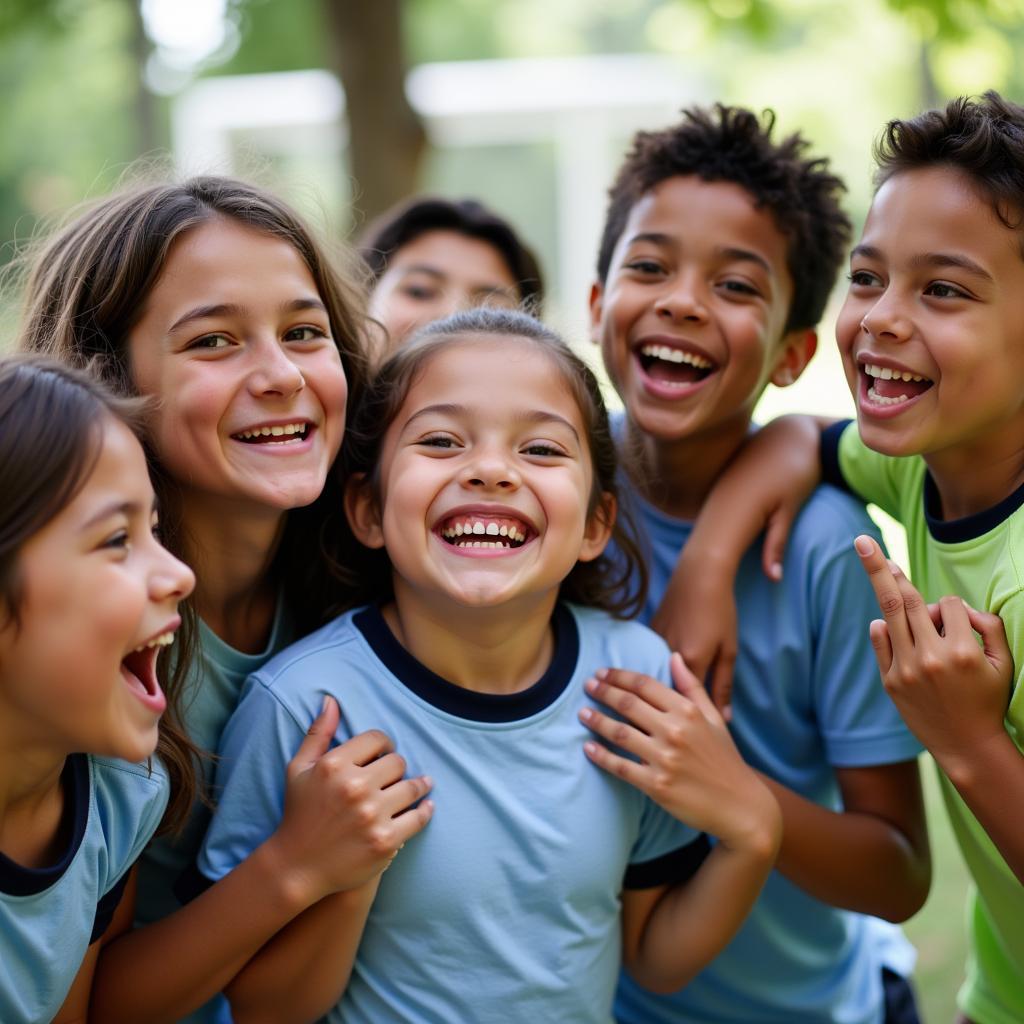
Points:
(318, 738)
(993, 634)
(690, 686)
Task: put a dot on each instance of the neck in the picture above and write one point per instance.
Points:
(490, 650)
(676, 475)
(971, 479)
(31, 798)
(231, 548)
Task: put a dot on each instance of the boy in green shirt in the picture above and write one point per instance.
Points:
(932, 341)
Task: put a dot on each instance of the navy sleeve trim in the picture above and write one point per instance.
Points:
(109, 902)
(672, 868)
(190, 884)
(831, 472)
(17, 880)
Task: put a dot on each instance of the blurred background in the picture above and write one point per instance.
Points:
(346, 106)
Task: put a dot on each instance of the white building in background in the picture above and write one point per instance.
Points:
(539, 140)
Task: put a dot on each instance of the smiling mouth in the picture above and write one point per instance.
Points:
(676, 367)
(885, 386)
(139, 669)
(478, 531)
(279, 434)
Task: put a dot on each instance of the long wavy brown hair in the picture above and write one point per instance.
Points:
(85, 292)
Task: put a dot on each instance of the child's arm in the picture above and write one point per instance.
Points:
(953, 694)
(345, 816)
(764, 487)
(689, 765)
(304, 970)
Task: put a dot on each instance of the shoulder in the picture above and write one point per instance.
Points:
(619, 643)
(340, 639)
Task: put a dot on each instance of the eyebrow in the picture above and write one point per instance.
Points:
(113, 508)
(231, 309)
(529, 416)
(732, 253)
(930, 259)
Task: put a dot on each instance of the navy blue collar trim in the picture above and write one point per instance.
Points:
(16, 880)
(469, 704)
(952, 531)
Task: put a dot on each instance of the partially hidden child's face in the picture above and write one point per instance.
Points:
(436, 274)
(236, 344)
(99, 600)
(692, 315)
(932, 330)
(485, 480)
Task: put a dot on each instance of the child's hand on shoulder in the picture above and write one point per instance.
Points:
(348, 811)
(688, 761)
(951, 691)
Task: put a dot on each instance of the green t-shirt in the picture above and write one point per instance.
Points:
(981, 559)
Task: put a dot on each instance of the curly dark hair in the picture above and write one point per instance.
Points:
(615, 582)
(732, 144)
(405, 222)
(982, 138)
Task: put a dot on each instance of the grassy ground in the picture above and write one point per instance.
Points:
(938, 930)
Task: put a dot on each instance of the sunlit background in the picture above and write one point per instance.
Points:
(527, 104)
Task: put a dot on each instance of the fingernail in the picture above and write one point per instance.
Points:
(601, 673)
(590, 747)
(776, 571)
(590, 685)
(863, 545)
(586, 714)
(323, 706)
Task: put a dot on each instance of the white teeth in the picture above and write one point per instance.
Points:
(163, 640)
(675, 355)
(884, 373)
(282, 430)
(477, 528)
(883, 400)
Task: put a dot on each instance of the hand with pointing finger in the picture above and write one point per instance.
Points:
(951, 691)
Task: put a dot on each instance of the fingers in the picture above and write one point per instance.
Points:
(621, 767)
(776, 536)
(992, 632)
(887, 591)
(398, 800)
(618, 733)
(363, 748)
(632, 694)
(879, 633)
(410, 822)
(319, 736)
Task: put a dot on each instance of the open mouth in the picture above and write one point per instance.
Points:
(482, 531)
(139, 671)
(278, 434)
(674, 367)
(886, 386)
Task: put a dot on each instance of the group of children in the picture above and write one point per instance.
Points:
(453, 781)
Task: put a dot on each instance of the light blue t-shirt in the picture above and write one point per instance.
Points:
(506, 908)
(50, 916)
(806, 699)
(214, 685)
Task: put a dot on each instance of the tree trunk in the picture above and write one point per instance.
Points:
(143, 101)
(386, 138)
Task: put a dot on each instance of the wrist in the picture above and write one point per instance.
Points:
(293, 889)
(972, 766)
(758, 832)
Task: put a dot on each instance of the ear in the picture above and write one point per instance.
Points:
(798, 348)
(596, 311)
(598, 530)
(363, 511)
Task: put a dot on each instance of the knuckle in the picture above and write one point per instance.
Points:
(352, 788)
(931, 665)
(890, 602)
(617, 733)
(365, 815)
(381, 841)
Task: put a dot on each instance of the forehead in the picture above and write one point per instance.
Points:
(454, 255)
(688, 211)
(221, 258)
(491, 376)
(936, 210)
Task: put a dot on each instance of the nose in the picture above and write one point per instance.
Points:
(490, 468)
(682, 300)
(274, 371)
(170, 578)
(887, 320)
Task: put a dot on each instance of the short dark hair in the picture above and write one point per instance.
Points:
(983, 138)
(615, 582)
(732, 144)
(408, 220)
